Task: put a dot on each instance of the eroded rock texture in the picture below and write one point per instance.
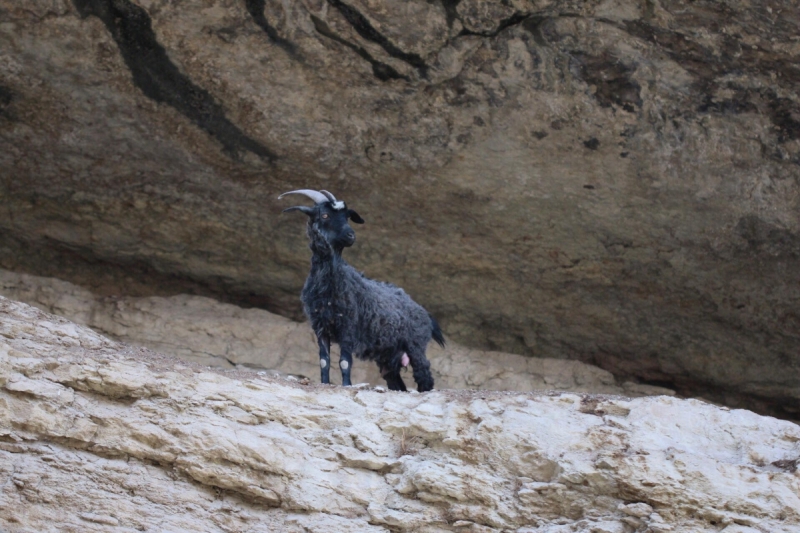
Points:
(204, 331)
(612, 181)
(97, 436)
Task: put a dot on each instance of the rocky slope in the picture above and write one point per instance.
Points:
(208, 332)
(612, 181)
(97, 436)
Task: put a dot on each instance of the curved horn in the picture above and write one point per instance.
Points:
(302, 208)
(329, 196)
(337, 204)
(318, 197)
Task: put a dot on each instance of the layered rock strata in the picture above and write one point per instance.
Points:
(208, 332)
(612, 181)
(98, 436)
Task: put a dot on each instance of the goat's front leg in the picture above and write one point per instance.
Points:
(346, 364)
(324, 358)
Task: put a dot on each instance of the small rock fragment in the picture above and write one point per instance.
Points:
(99, 519)
(639, 510)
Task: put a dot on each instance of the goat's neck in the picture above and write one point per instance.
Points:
(325, 281)
(326, 263)
(324, 251)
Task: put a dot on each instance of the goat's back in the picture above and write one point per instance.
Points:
(383, 316)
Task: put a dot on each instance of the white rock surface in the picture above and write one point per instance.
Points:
(213, 333)
(98, 436)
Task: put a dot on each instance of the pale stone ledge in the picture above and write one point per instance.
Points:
(209, 332)
(98, 436)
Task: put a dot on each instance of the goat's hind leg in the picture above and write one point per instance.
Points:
(393, 379)
(324, 358)
(390, 365)
(422, 370)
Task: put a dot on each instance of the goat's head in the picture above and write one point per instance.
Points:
(330, 216)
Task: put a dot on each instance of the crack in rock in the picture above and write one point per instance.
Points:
(160, 79)
(256, 10)
(382, 71)
(360, 23)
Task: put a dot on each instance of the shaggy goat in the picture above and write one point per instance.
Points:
(370, 319)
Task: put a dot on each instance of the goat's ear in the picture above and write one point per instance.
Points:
(352, 215)
(305, 209)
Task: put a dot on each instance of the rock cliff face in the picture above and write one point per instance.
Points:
(98, 436)
(611, 181)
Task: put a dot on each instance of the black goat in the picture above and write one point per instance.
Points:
(370, 319)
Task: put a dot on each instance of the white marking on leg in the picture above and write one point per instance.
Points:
(344, 364)
(323, 363)
(404, 360)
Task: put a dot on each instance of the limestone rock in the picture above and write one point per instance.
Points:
(614, 182)
(208, 332)
(143, 442)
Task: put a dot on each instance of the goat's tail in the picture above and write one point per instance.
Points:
(436, 332)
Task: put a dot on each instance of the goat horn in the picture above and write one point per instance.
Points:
(329, 196)
(318, 197)
(337, 204)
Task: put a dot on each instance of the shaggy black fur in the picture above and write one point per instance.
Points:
(370, 319)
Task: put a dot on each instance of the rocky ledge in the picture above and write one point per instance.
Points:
(208, 332)
(98, 436)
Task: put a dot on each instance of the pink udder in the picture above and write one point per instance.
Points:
(404, 360)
